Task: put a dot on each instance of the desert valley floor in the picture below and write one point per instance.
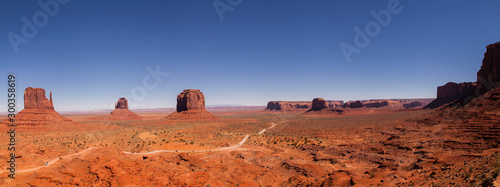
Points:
(254, 147)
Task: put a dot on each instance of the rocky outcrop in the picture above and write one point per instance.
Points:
(39, 111)
(489, 74)
(122, 112)
(318, 104)
(121, 104)
(288, 105)
(452, 91)
(34, 98)
(354, 104)
(191, 106)
(190, 99)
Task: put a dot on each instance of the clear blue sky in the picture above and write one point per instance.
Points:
(90, 53)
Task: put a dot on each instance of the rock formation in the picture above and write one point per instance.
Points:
(34, 98)
(452, 91)
(490, 70)
(288, 105)
(122, 112)
(191, 106)
(38, 110)
(354, 104)
(318, 104)
(334, 103)
(190, 99)
(488, 77)
(382, 103)
(121, 104)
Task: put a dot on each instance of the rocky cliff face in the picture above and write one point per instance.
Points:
(456, 91)
(121, 104)
(190, 99)
(452, 91)
(490, 70)
(318, 104)
(34, 98)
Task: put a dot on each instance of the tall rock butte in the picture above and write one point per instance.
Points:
(122, 103)
(318, 104)
(34, 98)
(190, 99)
(191, 106)
(122, 112)
(38, 110)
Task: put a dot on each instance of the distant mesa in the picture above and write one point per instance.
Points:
(354, 104)
(288, 105)
(122, 112)
(38, 110)
(414, 104)
(321, 106)
(191, 106)
(338, 104)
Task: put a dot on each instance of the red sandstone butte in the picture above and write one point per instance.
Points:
(38, 110)
(191, 106)
(122, 112)
(318, 104)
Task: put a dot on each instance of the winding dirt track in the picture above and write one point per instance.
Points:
(53, 161)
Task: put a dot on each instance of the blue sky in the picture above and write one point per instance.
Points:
(90, 53)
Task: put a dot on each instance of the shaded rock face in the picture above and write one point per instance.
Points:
(121, 104)
(190, 99)
(34, 98)
(355, 104)
(456, 91)
(490, 69)
(318, 104)
(452, 91)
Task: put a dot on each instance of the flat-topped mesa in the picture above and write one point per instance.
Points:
(354, 104)
(489, 74)
(121, 104)
(34, 98)
(190, 99)
(288, 105)
(318, 104)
